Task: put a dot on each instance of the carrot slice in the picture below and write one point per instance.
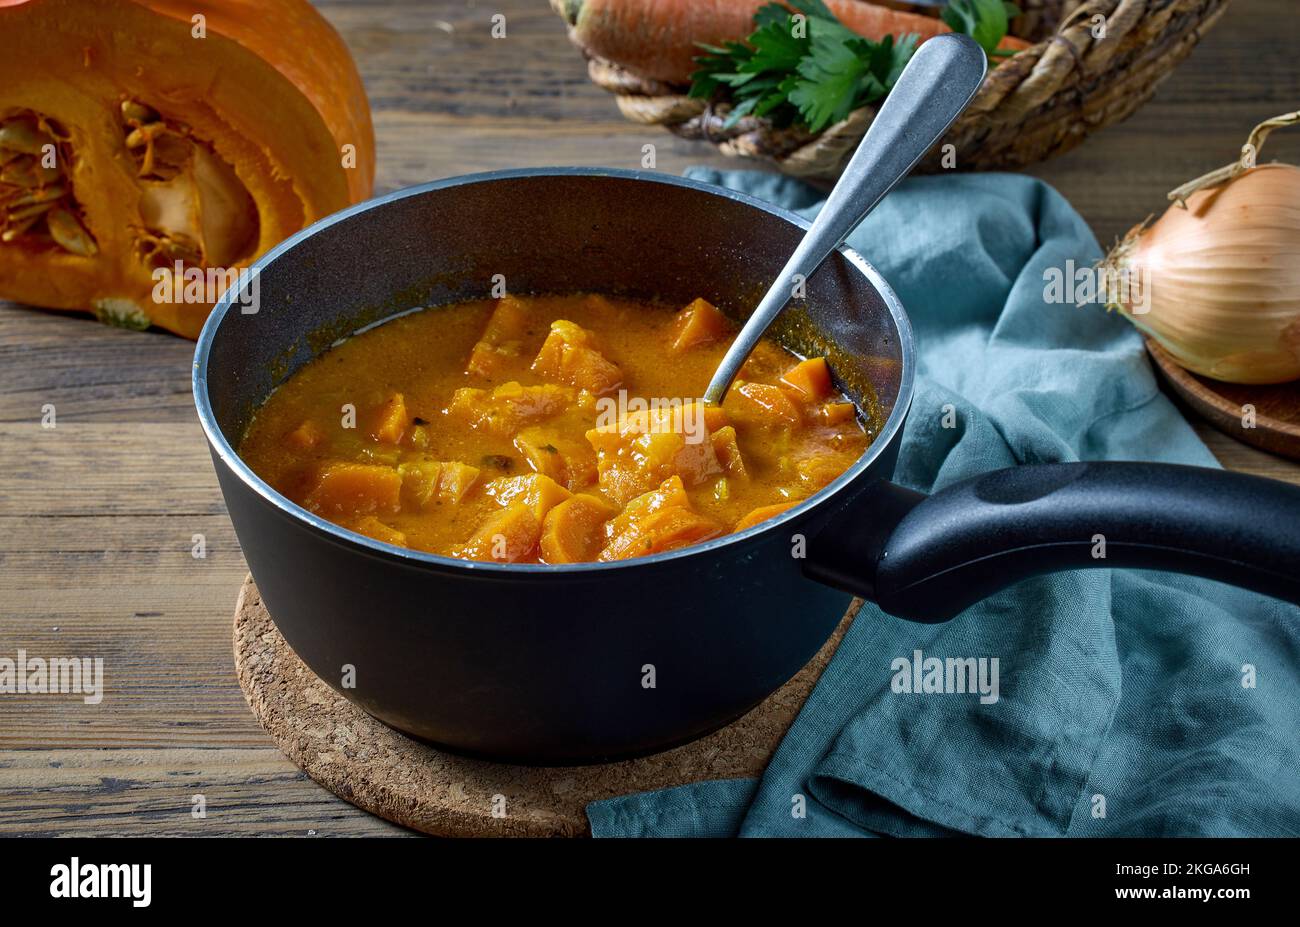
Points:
(507, 536)
(761, 514)
(573, 531)
(666, 529)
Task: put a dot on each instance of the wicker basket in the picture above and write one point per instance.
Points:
(1044, 101)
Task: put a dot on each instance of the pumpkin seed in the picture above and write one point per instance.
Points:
(55, 130)
(22, 135)
(143, 135)
(17, 215)
(29, 173)
(70, 234)
(14, 230)
(137, 112)
(43, 195)
(19, 172)
(180, 249)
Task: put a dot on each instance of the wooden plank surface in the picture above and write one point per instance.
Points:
(97, 516)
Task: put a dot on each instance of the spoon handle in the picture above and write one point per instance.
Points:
(933, 90)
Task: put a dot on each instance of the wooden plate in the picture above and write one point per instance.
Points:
(1225, 405)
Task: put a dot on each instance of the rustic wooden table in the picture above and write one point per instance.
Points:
(97, 515)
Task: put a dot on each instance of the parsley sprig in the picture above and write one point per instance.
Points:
(813, 71)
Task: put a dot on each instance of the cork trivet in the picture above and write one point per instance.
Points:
(406, 781)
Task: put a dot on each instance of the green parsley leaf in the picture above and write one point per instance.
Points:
(831, 78)
(985, 21)
(806, 67)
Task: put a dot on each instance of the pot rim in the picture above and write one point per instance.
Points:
(835, 489)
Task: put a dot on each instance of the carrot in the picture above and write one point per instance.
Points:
(762, 514)
(573, 531)
(508, 536)
(658, 38)
(666, 529)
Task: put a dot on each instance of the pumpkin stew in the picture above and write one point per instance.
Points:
(552, 430)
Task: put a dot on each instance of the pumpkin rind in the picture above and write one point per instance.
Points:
(268, 92)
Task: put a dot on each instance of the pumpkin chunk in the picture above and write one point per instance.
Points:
(427, 482)
(573, 531)
(344, 488)
(812, 378)
(388, 421)
(761, 514)
(507, 536)
(564, 459)
(509, 407)
(645, 447)
(699, 323)
(762, 406)
(536, 490)
(816, 472)
(766, 362)
(372, 527)
(305, 437)
(666, 529)
(503, 338)
(836, 413)
(727, 449)
(571, 355)
(671, 493)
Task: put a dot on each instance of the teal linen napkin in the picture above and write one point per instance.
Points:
(1130, 703)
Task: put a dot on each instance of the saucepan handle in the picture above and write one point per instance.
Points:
(927, 558)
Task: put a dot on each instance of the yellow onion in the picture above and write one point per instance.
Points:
(1216, 279)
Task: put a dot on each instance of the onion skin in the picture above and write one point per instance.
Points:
(1223, 277)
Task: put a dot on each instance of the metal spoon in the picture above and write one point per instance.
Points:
(933, 90)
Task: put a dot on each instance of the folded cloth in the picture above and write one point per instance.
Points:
(1127, 703)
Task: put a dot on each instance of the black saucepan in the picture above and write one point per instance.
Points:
(568, 664)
